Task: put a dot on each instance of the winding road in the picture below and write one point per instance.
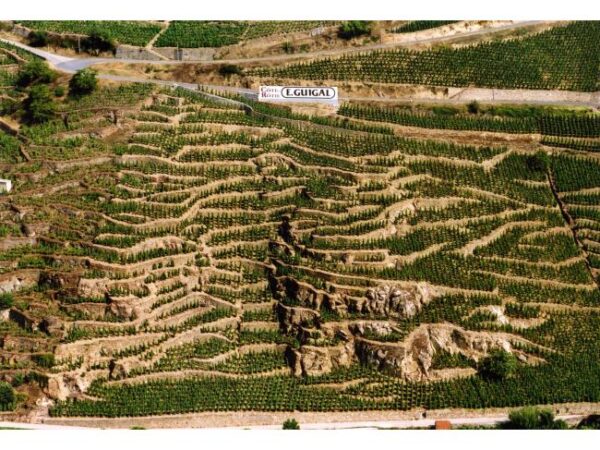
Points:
(71, 65)
(456, 96)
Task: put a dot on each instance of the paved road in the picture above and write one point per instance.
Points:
(388, 424)
(67, 64)
(404, 424)
(494, 96)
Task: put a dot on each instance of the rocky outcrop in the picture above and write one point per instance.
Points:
(16, 281)
(379, 328)
(292, 318)
(412, 359)
(391, 301)
(68, 385)
(125, 307)
(311, 360)
(24, 320)
(66, 282)
(305, 294)
(52, 326)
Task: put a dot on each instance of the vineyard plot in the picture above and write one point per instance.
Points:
(565, 58)
(219, 259)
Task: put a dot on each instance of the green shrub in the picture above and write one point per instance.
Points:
(538, 162)
(39, 105)
(7, 396)
(498, 365)
(6, 300)
(591, 422)
(35, 71)
(44, 360)
(473, 107)
(288, 47)
(59, 91)
(354, 28)
(227, 70)
(18, 379)
(99, 41)
(38, 38)
(531, 418)
(291, 424)
(83, 82)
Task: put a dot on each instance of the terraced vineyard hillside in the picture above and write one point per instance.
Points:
(193, 34)
(172, 252)
(564, 57)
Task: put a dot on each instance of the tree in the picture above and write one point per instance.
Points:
(531, 418)
(39, 105)
(538, 162)
(591, 422)
(83, 82)
(354, 28)
(44, 360)
(498, 365)
(473, 107)
(18, 379)
(99, 41)
(7, 395)
(38, 38)
(6, 300)
(291, 424)
(230, 69)
(35, 71)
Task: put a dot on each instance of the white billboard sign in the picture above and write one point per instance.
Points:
(308, 94)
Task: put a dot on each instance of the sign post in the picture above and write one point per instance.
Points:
(306, 94)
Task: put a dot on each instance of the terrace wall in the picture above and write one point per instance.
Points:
(187, 54)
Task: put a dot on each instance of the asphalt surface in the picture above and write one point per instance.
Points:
(492, 96)
(373, 425)
(67, 64)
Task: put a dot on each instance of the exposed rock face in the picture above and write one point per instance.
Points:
(118, 370)
(293, 318)
(64, 386)
(389, 301)
(412, 358)
(379, 328)
(24, 344)
(383, 356)
(311, 360)
(92, 288)
(24, 320)
(53, 327)
(13, 242)
(124, 307)
(67, 282)
(18, 280)
(304, 293)
(498, 311)
(89, 310)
